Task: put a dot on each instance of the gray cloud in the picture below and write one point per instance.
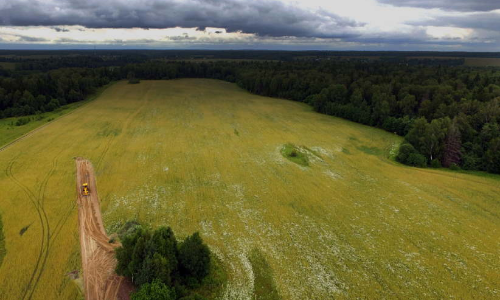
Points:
(481, 20)
(59, 29)
(263, 17)
(24, 38)
(452, 5)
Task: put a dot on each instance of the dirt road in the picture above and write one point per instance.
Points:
(98, 259)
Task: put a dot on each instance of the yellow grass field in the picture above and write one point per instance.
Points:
(482, 62)
(204, 155)
(8, 65)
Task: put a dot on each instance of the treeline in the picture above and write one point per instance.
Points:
(41, 92)
(448, 115)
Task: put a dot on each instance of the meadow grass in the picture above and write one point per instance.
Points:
(264, 285)
(8, 65)
(294, 154)
(482, 62)
(9, 131)
(203, 155)
(2, 242)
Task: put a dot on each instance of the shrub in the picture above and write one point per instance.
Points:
(410, 156)
(131, 78)
(435, 163)
(454, 167)
(155, 290)
(193, 297)
(404, 151)
(292, 153)
(22, 121)
(417, 160)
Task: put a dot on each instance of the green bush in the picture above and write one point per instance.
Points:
(410, 156)
(193, 297)
(293, 153)
(154, 291)
(417, 160)
(435, 163)
(22, 121)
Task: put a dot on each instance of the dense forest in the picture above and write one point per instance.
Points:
(449, 115)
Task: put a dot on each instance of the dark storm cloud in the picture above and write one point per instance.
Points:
(454, 5)
(263, 17)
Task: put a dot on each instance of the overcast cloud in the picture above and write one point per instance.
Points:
(453, 5)
(267, 18)
(260, 24)
(477, 20)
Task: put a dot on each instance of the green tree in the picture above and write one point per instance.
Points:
(453, 143)
(155, 290)
(131, 78)
(493, 156)
(194, 258)
(433, 140)
(417, 132)
(408, 105)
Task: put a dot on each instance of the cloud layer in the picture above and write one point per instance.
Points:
(251, 24)
(262, 17)
(453, 5)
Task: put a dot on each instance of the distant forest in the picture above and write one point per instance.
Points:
(449, 114)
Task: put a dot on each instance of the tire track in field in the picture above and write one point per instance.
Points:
(41, 216)
(38, 202)
(41, 200)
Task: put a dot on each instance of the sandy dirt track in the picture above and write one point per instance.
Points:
(98, 260)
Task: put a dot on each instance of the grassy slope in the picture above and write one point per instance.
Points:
(10, 132)
(204, 155)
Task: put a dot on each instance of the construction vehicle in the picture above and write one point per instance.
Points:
(85, 189)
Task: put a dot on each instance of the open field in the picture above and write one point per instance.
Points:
(10, 132)
(482, 62)
(8, 65)
(204, 155)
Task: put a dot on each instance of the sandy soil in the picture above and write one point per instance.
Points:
(98, 259)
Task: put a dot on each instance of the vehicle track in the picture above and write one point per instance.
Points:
(48, 236)
(42, 216)
(41, 201)
(98, 259)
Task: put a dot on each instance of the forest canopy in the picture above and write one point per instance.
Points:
(449, 115)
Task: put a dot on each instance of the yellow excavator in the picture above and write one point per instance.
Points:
(85, 189)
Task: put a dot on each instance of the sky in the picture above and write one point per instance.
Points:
(431, 25)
